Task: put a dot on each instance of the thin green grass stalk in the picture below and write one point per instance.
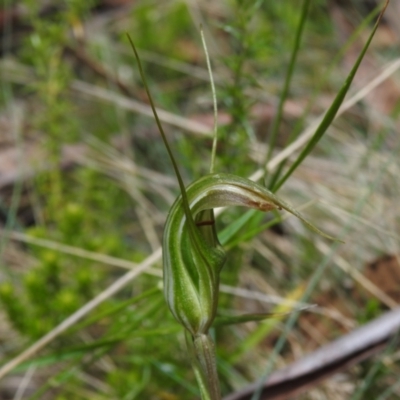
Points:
(164, 137)
(297, 129)
(232, 229)
(333, 109)
(252, 233)
(215, 105)
(285, 91)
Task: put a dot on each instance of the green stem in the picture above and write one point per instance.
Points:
(202, 355)
(205, 354)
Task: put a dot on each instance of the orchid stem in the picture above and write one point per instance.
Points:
(202, 352)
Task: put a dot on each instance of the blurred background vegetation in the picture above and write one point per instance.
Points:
(85, 185)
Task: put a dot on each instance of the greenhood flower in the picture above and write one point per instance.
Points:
(192, 254)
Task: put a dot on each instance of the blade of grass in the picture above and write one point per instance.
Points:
(297, 128)
(232, 229)
(252, 233)
(333, 109)
(285, 91)
(185, 201)
(214, 97)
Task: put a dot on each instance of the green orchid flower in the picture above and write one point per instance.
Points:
(192, 255)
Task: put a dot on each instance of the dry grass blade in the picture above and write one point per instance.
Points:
(71, 250)
(359, 277)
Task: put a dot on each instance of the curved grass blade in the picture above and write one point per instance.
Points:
(333, 109)
(298, 126)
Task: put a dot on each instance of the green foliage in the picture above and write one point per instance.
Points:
(371, 310)
(14, 307)
(43, 51)
(245, 42)
(58, 285)
(156, 28)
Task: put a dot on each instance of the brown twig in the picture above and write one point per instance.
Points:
(338, 355)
